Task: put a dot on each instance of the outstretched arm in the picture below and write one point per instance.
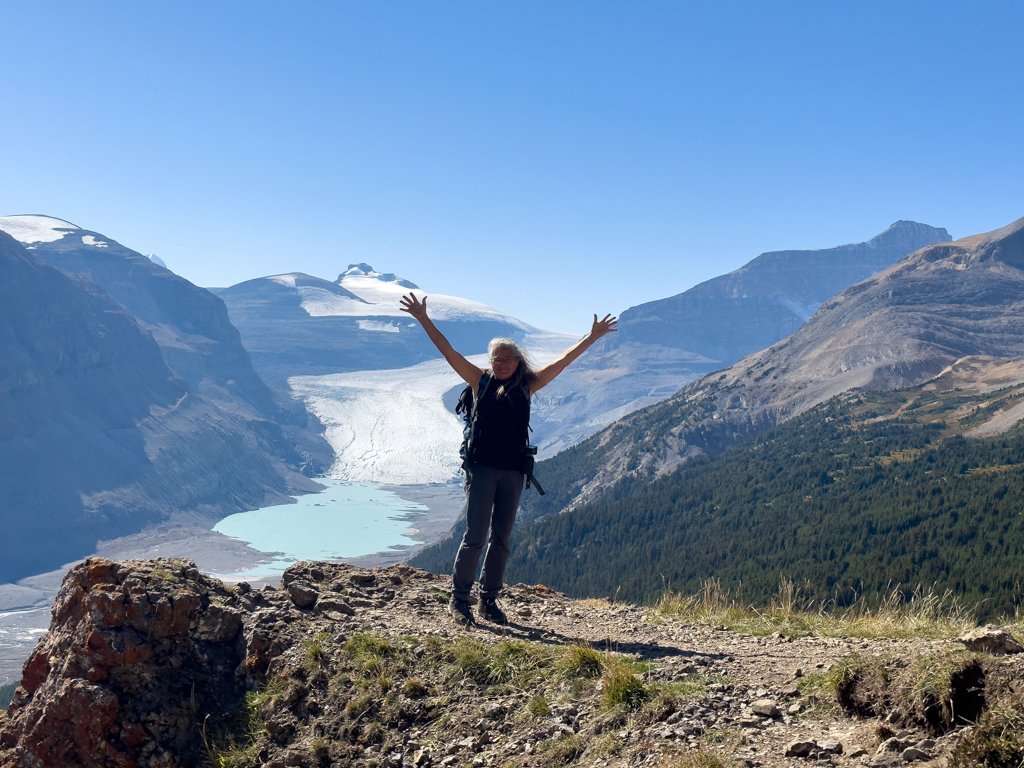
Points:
(547, 374)
(418, 309)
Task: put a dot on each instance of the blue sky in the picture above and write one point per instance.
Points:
(551, 159)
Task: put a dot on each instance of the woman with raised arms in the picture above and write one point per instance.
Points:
(494, 461)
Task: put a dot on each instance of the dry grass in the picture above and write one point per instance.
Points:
(996, 741)
(897, 615)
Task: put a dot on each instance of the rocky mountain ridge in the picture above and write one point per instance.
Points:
(149, 663)
(898, 328)
(665, 344)
(100, 437)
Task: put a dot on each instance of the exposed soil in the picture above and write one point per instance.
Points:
(346, 666)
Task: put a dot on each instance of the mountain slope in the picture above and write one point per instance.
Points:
(895, 329)
(662, 345)
(189, 323)
(867, 493)
(98, 437)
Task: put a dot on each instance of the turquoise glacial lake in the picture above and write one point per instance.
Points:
(342, 521)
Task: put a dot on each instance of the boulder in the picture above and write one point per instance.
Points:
(333, 603)
(831, 746)
(302, 594)
(800, 748)
(913, 754)
(765, 708)
(891, 745)
(990, 639)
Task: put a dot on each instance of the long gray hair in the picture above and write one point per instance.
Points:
(525, 375)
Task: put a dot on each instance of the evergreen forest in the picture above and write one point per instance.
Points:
(867, 493)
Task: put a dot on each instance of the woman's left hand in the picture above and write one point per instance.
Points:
(603, 326)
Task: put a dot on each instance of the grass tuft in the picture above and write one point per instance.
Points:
(621, 686)
(997, 741)
(414, 688)
(563, 751)
(582, 661)
(539, 707)
(314, 653)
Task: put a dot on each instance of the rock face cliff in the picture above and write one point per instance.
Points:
(189, 324)
(98, 436)
(149, 664)
(896, 329)
(136, 660)
(662, 345)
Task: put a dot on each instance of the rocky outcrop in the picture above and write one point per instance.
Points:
(149, 663)
(140, 661)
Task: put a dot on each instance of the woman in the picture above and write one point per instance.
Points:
(494, 480)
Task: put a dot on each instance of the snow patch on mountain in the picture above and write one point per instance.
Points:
(803, 311)
(377, 325)
(35, 229)
(90, 240)
(378, 294)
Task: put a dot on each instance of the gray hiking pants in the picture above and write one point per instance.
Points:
(492, 496)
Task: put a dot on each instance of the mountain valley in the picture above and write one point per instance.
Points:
(102, 437)
(768, 470)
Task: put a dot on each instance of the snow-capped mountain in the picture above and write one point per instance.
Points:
(367, 369)
(188, 323)
(367, 293)
(295, 324)
(33, 229)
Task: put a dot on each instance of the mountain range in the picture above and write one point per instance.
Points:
(877, 447)
(895, 329)
(117, 416)
(295, 324)
(318, 334)
(662, 345)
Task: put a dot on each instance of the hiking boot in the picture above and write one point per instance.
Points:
(461, 612)
(488, 609)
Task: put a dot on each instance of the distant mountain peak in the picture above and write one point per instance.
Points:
(365, 270)
(905, 227)
(36, 228)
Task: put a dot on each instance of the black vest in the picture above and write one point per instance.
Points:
(502, 428)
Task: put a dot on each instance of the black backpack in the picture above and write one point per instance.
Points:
(465, 408)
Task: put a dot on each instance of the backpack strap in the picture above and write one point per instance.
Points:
(470, 429)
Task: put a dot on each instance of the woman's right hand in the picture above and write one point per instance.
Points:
(414, 306)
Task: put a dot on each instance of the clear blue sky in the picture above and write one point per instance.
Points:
(551, 159)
